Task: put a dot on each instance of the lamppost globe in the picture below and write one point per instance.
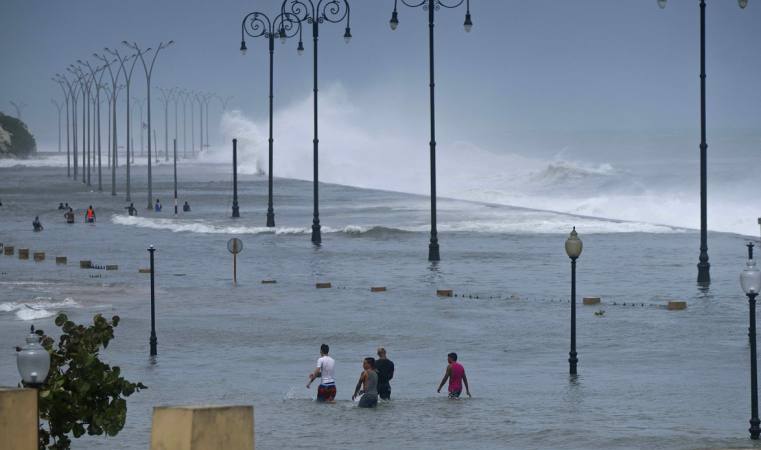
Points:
(468, 23)
(662, 3)
(750, 278)
(33, 361)
(347, 35)
(300, 49)
(243, 47)
(573, 245)
(742, 3)
(394, 22)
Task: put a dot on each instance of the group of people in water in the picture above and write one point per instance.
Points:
(375, 379)
(132, 211)
(89, 216)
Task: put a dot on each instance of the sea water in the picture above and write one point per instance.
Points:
(648, 377)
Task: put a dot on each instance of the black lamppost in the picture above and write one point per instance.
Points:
(704, 267)
(236, 211)
(573, 247)
(431, 6)
(68, 94)
(256, 24)
(750, 280)
(174, 141)
(127, 82)
(332, 11)
(33, 363)
(152, 341)
(148, 68)
(84, 86)
(98, 87)
(114, 96)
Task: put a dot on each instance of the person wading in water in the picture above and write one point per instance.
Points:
(325, 370)
(368, 382)
(456, 375)
(385, 369)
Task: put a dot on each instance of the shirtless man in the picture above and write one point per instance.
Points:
(325, 370)
(456, 375)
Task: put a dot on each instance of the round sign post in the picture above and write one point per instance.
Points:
(235, 246)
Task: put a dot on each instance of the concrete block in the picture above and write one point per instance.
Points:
(203, 428)
(85, 264)
(144, 270)
(61, 260)
(323, 286)
(39, 256)
(18, 419)
(591, 300)
(269, 281)
(8, 250)
(378, 289)
(112, 267)
(23, 253)
(676, 305)
(444, 292)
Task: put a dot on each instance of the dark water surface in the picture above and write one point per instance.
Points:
(648, 377)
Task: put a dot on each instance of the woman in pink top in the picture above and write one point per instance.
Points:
(456, 375)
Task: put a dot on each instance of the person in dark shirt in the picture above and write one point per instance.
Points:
(186, 207)
(385, 369)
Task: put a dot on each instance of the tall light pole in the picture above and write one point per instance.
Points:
(114, 98)
(750, 281)
(148, 68)
(199, 99)
(98, 87)
(206, 98)
(704, 267)
(140, 103)
(166, 96)
(183, 95)
(431, 6)
(58, 107)
(573, 248)
(18, 107)
(74, 90)
(191, 96)
(256, 25)
(58, 79)
(127, 70)
(84, 84)
(333, 11)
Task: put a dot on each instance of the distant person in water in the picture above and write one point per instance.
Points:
(36, 224)
(326, 391)
(90, 215)
(157, 208)
(368, 383)
(186, 207)
(66, 206)
(385, 369)
(131, 210)
(60, 206)
(69, 215)
(456, 375)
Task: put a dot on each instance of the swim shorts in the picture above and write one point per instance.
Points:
(368, 401)
(326, 393)
(455, 394)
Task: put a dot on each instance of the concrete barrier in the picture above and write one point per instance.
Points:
(18, 419)
(378, 289)
(8, 250)
(23, 253)
(444, 292)
(203, 428)
(591, 300)
(112, 267)
(269, 281)
(144, 270)
(39, 256)
(323, 285)
(85, 264)
(676, 305)
(61, 260)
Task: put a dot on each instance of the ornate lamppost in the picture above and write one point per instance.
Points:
(573, 247)
(255, 25)
(127, 69)
(315, 13)
(431, 6)
(98, 87)
(704, 267)
(750, 280)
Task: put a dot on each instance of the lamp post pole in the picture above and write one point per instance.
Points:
(704, 267)
(166, 97)
(573, 248)
(98, 87)
(199, 99)
(58, 107)
(432, 6)
(60, 80)
(754, 420)
(148, 72)
(175, 176)
(184, 97)
(236, 211)
(333, 12)
(114, 98)
(257, 24)
(128, 81)
(152, 341)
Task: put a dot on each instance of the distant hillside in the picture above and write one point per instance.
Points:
(15, 139)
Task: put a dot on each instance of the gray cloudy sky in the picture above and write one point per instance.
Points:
(533, 77)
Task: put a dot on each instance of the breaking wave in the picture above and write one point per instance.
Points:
(37, 308)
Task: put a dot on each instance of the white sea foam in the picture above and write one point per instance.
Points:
(37, 308)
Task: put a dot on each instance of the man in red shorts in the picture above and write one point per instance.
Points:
(325, 370)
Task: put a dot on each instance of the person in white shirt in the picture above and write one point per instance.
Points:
(325, 370)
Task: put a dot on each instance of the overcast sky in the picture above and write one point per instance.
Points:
(533, 75)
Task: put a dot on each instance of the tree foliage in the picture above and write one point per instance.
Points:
(82, 394)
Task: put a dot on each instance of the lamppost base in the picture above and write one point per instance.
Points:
(754, 429)
(153, 343)
(572, 362)
(433, 251)
(704, 272)
(316, 235)
(270, 218)
(236, 211)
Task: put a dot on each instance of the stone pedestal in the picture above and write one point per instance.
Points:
(18, 419)
(203, 428)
